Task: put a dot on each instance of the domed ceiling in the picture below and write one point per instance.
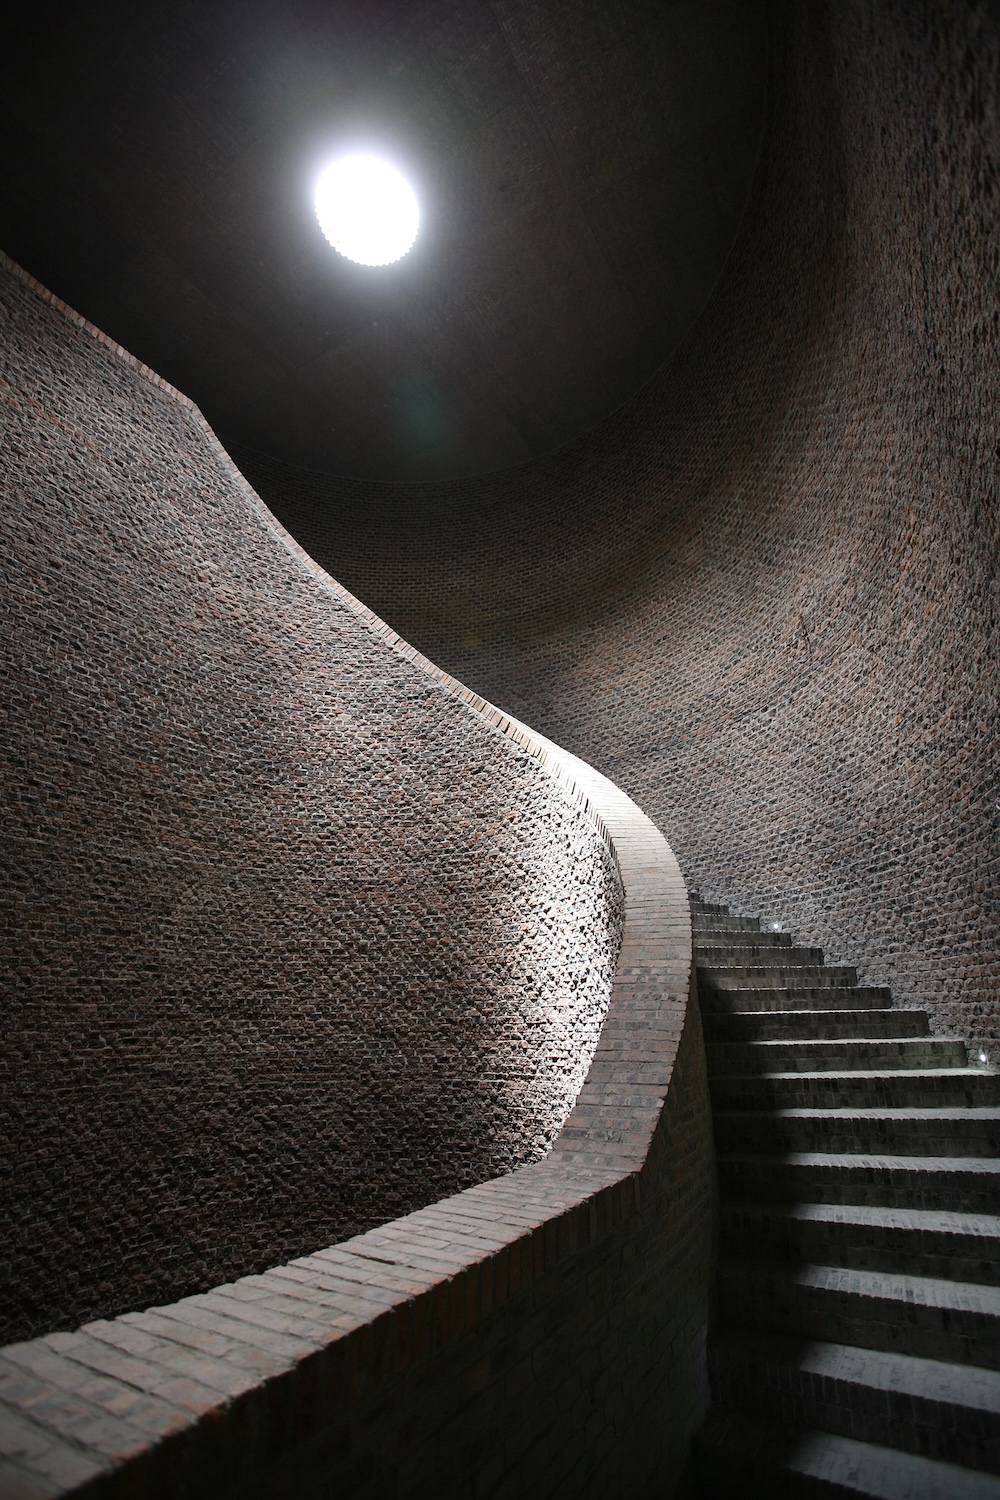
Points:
(581, 169)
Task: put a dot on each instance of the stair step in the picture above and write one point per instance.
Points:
(924, 1406)
(775, 976)
(712, 922)
(758, 1460)
(924, 1242)
(955, 1321)
(818, 1025)
(858, 1161)
(828, 1054)
(724, 948)
(868, 1089)
(896, 1132)
(794, 998)
(958, 1184)
(767, 948)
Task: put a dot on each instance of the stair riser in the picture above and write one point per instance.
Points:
(931, 1428)
(726, 1059)
(955, 1192)
(831, 1025)
(873, 1137)
(873, 1248)
(773, 976)
(794, 998)
(844, 1091)
(868, 1323)
(764, 954)
(704, 924)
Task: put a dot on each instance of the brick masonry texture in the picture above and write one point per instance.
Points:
(539, 1333)
(294, 940)
(763, 596)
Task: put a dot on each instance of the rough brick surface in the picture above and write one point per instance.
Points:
(293, 940)
(764, 595)
(539, 1334)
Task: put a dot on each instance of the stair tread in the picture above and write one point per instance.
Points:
(713, 922)
(788, 964)
(881, 990)
(818, 1043)
(878, 1369)
(716, 937)
(737, 998)
(985, 1226)
(944, 1112)
(844, 1464)
(787, 956)
(814, 1013)
(890, 1286)
(952, 1164)
(893, 1074)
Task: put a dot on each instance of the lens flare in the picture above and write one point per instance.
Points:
(367, 209)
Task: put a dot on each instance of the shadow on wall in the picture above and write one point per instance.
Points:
(763, 596)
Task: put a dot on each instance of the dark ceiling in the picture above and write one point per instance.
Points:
(581, 167)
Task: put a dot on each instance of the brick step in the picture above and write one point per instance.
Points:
(872, 1089)
(923, 1242)
(954, 1321)
(924, 1406)
(766, 949)
(858, 1161)
(775, 976)
(712, 922)
(892, 1132)
(747, 946)
(818, 1025)
(959, 1184)
(701, 908)
(851, 1054)
(794, 998)
(747, 1457)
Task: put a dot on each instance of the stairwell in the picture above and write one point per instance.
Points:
(856, 1349)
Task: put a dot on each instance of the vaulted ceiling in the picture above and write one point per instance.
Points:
(581, 165)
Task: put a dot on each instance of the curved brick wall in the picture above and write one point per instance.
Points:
(764, 595)
(294, 942)
(539, 1334)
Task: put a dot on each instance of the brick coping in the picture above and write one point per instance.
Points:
(121, 1406)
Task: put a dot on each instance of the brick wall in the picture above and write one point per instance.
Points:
(542, 1332)
(294, 941)
(764, 594)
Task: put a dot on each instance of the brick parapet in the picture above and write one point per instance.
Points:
(542, 1332)
(230, 1391)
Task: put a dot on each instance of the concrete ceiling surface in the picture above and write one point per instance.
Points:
(582, 168)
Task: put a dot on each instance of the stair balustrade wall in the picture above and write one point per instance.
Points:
(293, 941)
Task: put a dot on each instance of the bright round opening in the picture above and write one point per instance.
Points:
(366, 209)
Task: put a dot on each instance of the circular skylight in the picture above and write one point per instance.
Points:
(366, 209)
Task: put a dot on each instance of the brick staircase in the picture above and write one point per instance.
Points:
(857, 1346)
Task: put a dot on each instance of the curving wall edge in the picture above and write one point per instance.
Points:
(540, 1333)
